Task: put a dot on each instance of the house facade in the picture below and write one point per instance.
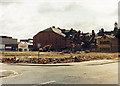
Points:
(50, 36)
(108, 43)
(64, 39)
(25, 45)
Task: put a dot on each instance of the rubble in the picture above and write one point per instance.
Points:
(54, 57)
(54, 60)
(87, 51)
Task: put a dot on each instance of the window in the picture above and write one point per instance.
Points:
(105, 49)
(104, 42)
(20, 49)
(25, 49)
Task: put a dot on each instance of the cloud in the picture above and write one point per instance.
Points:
(53, 7)
(23, 19)
(119, 14)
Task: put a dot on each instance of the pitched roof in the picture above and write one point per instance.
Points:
(97, 37)
(110, 36)
(56, 30)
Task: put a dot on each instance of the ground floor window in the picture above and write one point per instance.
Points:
(20, 49)
(25, 49)
(105, 49)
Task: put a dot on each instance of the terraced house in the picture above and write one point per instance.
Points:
(108, 43)
(60, 39)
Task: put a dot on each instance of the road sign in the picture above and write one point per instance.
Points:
(38, 44)
(38, 50)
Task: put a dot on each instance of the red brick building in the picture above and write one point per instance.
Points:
(51, 36)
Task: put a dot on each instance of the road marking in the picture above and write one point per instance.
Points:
(2, 64)
(15, 74)
(3, 70)
(50, 82)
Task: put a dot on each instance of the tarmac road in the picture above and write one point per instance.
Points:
(92, 72)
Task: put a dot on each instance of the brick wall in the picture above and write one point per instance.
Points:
(47, 38)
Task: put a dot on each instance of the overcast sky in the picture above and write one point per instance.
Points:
(24, 18)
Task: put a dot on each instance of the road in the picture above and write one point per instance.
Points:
(92, 72)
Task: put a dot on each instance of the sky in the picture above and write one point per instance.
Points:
(22, 19)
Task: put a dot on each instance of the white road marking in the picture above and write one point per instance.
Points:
(50, 82)
(3, 70)
(2, 64)
(15, 74)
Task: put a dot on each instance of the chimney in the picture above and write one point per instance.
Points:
(53, 26)
(115, 26)
(102, 30)
(93, 33)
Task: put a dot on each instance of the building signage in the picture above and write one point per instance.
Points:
(8, 47)
(23, 46)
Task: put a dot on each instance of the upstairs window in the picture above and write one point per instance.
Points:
(104, 42)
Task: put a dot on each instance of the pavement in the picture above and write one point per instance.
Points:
(89, 72)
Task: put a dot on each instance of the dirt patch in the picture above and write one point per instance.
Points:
(54, 57)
